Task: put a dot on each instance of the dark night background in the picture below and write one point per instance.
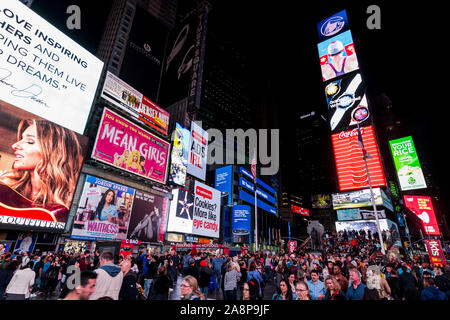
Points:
(405, 60)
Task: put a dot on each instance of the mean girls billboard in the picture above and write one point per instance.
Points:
(127, 146)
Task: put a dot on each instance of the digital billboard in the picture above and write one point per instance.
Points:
(365, 225)
(180, 155)
(244, 196)
(348, 214)
(206, 220)
(103, 211)
(435, 252)
(300, 210)
(40, 163)
(41, 67)
(409, 171)
(198, 152)
(181, 212)
(356, 199)
(351, 170)
(321, 201)
(241, 224)
(126, 146)
(333, 25)
(224, 181)
(337, 56)
(125, 97)
(347, 103)
(422, 207)
(370, 214)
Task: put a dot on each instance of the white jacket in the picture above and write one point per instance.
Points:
(21, 282)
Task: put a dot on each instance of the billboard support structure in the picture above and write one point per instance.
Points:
(372, 198)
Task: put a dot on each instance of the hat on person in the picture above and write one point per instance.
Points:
(203, 263)
(335, 47)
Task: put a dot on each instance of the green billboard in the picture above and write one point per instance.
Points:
(407, 164)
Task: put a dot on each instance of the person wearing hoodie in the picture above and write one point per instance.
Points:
(430, 292)
(128, 290)
(152, 270)
(109, 278)
(204, 277)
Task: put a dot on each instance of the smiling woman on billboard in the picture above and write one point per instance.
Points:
(44, 172)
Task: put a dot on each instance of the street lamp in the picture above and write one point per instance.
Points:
(365, 156)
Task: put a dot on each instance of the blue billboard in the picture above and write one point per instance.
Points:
(244, 196)
(249, 186)
(333, 25)
(241, 224)
(224, 181)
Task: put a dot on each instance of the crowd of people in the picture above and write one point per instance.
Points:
(350, 267)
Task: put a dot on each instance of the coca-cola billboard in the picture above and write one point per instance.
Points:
(350, 167)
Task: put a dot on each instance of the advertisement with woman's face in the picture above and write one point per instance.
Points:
(103, 211)
(40, 164)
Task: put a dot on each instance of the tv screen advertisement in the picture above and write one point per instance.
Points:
(350, 166)
(28, 143)
(333, 25)
(300, 210)
(422, 207)
(180, 155)
(356, 199)
(103, 211)
(206, 220)
(365, 225)
(147, 215)
(241, 224)
(347, 103)
(126, 146)
(181, 212)
(407, 165)
(41, 67)
(198, 152)
(348, 214)
(224, 181)
(337, 56)
(321, 201)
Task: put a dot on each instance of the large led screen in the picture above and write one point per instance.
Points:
(422, 207)
(347, 103)
(359, 225)
(224, 181)
(126, 146)
(40, 163)
(180, 155)
(333, 25)
(181, 212)
(43, 71)
(409, 171)
(337, 56)
(206, 220)
(351, 170)
(320, 201)
(241, 224)
(356, 199)
(198, 152)
(103, 211)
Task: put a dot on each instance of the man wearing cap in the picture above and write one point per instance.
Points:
(191, 270)
(339, 63)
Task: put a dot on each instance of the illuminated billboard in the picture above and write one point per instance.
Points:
(224, 181)
(198, 152)
(181, 212)
(43, 71)
(359, 225)
(347, 103)
(348, 214)
(300, 210)
(337, 56)
(241, 224)
(351, 170)
(180, 155)
(320, 201)
(333, 25)
(422, 207)
(356, 199)
(409, 171)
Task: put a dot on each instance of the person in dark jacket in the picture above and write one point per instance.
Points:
(407, 281)
(430, 292)
(333, 288)
(6, 276)
(394, 284)
(161, 285)
(152, 271)
(128, 290)
(204, 277)
(191, 270)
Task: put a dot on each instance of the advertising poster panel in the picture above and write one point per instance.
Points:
(422, 207)
(198, 152)
(333, 25)
(224, 180)
(348, 214)
(358, 225)
(241, 224)
(28, 142)
(409, 171)
(125, 97)
(350, 166)
(146, 217)
(370, 214)
(126, 146)
(206, 211)
(337, 56)
(435, 252)
(292, 246)
(321, 201)
(103, 211)
(181, 212)
(41, 67)
(347, 103)
(25, 242)
(180, 155)
(356, 199)
(300, 210)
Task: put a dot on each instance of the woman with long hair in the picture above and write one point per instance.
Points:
(133, 162)
(284, 292)
(106, 208)
(47, 161)
(122, 160)
(161, 285)
(333, 289)
(190, 290)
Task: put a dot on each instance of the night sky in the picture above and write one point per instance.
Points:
(406, 59)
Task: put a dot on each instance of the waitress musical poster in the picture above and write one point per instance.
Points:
(126, 146)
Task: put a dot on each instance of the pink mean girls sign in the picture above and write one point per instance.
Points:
(126, 146)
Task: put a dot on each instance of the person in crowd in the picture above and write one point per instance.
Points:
(284, 292)
(192, 270)
(230, 282)
(19, 288)
(253, 273)
(109, 278)
(161, 285)
(337, 273)
(6, 275)
(292, 279)
(204, 277)
(268, 267)
(189, 289)
(357, 288)
(315, 286)
(151, 272)
(407, 281)
(86, 287)
(128, 290)
(394, 285)
(333, 289)
(431, 292)
(302, 291)
(250, 290)
(217, 262)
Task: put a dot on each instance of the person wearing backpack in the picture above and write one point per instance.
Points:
(253, 273)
